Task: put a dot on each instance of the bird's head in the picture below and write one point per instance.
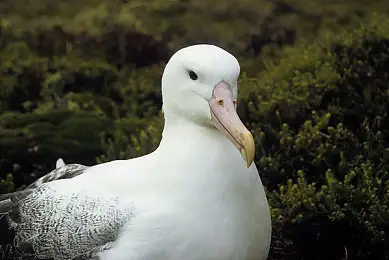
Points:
(199, 84)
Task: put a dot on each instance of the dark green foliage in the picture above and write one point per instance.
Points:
(62, 98)
(321, 121)
(132, 138)
(81, 80)
(31, 143)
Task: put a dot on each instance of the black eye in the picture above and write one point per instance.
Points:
(193, 75)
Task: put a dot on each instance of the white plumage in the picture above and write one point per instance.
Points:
(60, 163)
(193, 198)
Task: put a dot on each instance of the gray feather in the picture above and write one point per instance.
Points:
(47, 225)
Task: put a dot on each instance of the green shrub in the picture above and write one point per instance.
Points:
(33, 142)
(132, 138)
(321, 121)
(59, 97)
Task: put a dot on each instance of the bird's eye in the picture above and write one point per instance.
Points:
(193, 75)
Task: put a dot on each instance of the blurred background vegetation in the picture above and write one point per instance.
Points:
(81, 80)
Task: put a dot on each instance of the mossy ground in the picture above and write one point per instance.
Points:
(81, 80)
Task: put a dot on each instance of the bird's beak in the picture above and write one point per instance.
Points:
(227, 121)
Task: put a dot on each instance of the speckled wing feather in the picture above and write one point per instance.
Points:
(62, 171)
(41, 223)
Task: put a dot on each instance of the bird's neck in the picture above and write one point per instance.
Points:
(185, 133)
(204, 150)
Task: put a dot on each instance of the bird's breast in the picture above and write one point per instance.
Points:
(206, 205)
(224, 228)
(195, 222)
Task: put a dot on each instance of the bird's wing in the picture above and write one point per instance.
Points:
(48, 220)
(62, 171)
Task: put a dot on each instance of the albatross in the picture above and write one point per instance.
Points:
(198, 196)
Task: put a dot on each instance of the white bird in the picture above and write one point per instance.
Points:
(193, 198)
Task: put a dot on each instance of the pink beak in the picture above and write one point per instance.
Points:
(227, 121)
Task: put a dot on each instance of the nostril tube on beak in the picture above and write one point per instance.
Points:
(220, 102)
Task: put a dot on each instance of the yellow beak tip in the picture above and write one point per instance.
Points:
(248, 155)
(249, 164)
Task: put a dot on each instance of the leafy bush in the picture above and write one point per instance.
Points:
(321, 122)
(60, 98)
(31, 143)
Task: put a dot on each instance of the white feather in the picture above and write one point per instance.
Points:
(60, 163)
